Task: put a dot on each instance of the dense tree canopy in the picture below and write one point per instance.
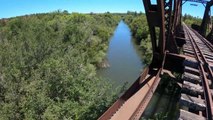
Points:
(190, 20)
(48, 66)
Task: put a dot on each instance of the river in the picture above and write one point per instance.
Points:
(126, 64)
(124, 58)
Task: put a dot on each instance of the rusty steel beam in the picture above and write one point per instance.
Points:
(169, 9)
(155, 18)
(177, 13)
(144, 79)
(163, 18)
(197, 1)
(210, 36)
(144, 103)
(132, 90)
(206, 18)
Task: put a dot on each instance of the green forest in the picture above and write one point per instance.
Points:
(48, 63)
(48, 66)
(190, 20)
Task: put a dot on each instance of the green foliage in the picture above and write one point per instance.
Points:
(189, 20)
(48, 66)
(140, 31)
(158, 116)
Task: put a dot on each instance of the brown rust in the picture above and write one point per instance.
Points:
(203, 67)
(140, 83)
(165, 15)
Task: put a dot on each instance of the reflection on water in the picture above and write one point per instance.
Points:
(123, 56)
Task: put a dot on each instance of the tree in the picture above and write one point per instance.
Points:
(48, 66)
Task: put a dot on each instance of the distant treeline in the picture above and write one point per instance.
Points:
(190, 20)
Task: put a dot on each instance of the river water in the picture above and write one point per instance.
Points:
(124, 58)
(126, 64)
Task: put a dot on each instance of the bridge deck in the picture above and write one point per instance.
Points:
(134, 101)
(196, 96)
(197, 87)
(128, 108)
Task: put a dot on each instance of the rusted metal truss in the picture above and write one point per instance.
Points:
(206, 18)
(134, 101)
(156, 19)
(163, 18)
(168, 35)
(196, 43)
(197, 1)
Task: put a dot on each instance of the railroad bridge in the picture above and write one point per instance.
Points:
(177, 48)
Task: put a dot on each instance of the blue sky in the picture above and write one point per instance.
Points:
(12, 8)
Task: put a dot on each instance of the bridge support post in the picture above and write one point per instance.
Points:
(206, 19)
(161, 26)
(155, 17)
